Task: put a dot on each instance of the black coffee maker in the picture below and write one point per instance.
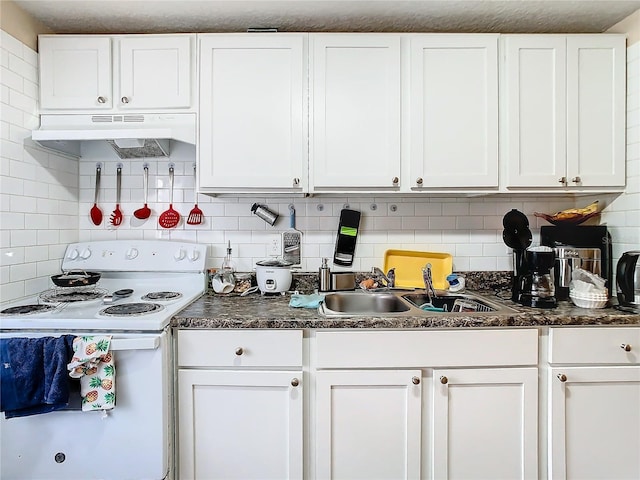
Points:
(537, 283)
(516, 235)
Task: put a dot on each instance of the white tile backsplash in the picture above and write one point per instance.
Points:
(45, 201)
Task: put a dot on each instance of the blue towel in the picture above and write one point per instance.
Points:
(33, 374)
(306, 301)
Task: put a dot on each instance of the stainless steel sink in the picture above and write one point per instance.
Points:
(361, 303)
(365, 303)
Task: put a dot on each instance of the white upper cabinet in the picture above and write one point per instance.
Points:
(453, 104)
(75, 72)
(155, 71)
(253, 116)
(564, 111)
(356, 107)
(111, 73)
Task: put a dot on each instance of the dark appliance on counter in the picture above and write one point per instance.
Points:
(628, 280)
(538, 288)
(516, 235)
(578, 246)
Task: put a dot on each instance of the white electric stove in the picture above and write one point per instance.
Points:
(155, 279)
(164, 278)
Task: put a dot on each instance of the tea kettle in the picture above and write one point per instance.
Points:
(628, 279)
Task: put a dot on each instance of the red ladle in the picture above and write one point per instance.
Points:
(144, 212)
(96, 213)
(169, 218)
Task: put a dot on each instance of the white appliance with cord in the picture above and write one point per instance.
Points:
(134, 440)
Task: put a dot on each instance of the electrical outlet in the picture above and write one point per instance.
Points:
(274, 246)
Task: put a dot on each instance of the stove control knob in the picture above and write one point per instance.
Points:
(180, 254)
(194, 255)
(86, 253)
(73, 254)
(132, 253)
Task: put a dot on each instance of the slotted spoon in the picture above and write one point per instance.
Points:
(169, 218)
(145, 211)
(195, 215)
(96, 213)
(116, 216)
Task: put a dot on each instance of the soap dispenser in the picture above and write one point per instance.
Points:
(324, 277)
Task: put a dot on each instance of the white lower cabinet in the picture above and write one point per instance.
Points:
(485, 423)
(240, 413)
(594, 417)
(368, 424)
(449, 405)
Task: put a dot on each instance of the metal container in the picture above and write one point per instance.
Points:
(343, 281)
(570, 258)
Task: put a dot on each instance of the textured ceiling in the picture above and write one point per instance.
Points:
(504, 16)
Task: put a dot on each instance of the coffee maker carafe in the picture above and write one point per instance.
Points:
(537, 289)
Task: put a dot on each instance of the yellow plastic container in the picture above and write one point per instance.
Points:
(409, 265)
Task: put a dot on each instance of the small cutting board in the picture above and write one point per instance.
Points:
(409, 265)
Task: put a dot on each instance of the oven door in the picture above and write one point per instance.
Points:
(132, 441)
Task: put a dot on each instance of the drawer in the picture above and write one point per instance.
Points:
(427, 348)
(239, 348)
(595, 345)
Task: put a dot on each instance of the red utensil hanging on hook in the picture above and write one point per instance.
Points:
(96, 213)
(116, 216)
(169, 218)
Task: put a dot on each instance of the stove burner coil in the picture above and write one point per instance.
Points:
(131, 309)
(72, 294)
(27, 309)
(162, 296)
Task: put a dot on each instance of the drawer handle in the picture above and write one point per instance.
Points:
(416, 380)
(444, 380)
(626, 347)
(124, 99)
(295, 382)
(239, 351)
(102, 100)
(562, 377)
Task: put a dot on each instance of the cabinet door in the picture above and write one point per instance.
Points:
(596, 110)
(240, 424)
(485, 423)
(535, 110)
(252, 112)
(594, 423)
(155, 71)
(75, 72)
(355, 98)
(368, 424)
(454, 111)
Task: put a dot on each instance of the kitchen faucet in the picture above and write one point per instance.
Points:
(428, 282)
(389, 279)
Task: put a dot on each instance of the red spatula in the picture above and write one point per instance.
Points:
(169, 218)
(116, 216)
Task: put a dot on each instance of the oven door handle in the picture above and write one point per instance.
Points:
(141, 343)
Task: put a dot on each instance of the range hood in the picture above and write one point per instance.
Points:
(130, 135)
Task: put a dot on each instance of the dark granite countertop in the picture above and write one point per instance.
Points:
(273, 311)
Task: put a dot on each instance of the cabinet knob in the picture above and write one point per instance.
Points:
(295, 382)
(124, 99)
(102, 100)
(416, 380)
(626, 347)
(239, 351)
(576, 180)
(444, 380)
(296, 182)
(562, 377)
(419, 180)
(563, 180)
(395, 180)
